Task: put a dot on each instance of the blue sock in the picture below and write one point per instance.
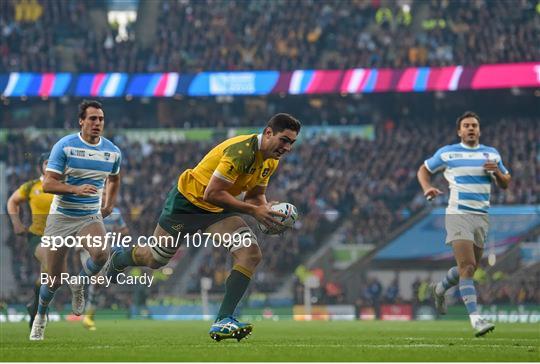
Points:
(90, 268)
(46, 295)
(468, 294)
(123, 259)
(451, 279)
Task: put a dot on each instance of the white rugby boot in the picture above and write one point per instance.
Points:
(38, 327)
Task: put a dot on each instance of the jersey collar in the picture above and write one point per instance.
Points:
(89, 144)
(467, 147)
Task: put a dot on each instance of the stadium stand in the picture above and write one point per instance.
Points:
(378, 190)
(378, 193)
(263, 35)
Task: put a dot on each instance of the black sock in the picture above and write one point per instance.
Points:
(37, 287)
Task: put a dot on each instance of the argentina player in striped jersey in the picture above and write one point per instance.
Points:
(78, 167)
(469, 168)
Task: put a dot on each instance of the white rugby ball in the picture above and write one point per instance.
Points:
(291, 216)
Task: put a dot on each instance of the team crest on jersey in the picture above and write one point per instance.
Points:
(177, 227)
(107, 156)
(77, 152)
(265, 172)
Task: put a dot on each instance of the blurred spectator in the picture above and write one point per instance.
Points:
(193, 36)
(392, 292)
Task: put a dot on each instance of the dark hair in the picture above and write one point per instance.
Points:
(465, 115)
(85, 104)
(283, 121)
(42, 158)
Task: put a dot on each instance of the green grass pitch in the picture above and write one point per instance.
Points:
(125, 340)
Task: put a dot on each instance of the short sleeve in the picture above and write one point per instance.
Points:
(235, 161)
(117, 163)
(501, 165)
(57, 159)
(435, 163)
(25, 188)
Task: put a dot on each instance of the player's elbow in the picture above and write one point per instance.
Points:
(210, 195)
(504, 182)
(47, 185)
(114, 179)
(12, 204)
(422, 173)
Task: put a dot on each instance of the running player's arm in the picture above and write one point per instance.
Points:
(14, 208)
(52, 181)
(424, 178)
(499, 172)
(429, 167)
(502, 180)
(222, 180)
(217, 194)
(112, 186)
(256, 196)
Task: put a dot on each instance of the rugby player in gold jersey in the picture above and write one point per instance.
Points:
(205, 199)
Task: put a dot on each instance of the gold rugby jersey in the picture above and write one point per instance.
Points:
(40, 203)
(237, 160)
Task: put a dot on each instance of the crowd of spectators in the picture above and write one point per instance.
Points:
(192, 36)
(496, 288)
(370, 186)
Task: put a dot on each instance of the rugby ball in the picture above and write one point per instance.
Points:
(291, 216)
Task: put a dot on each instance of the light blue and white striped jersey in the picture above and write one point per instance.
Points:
(470, 184)
(114, 221)
(82, 163)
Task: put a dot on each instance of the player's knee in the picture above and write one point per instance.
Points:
(256, 256)
(158, 256)
(467, 270)
(251, 256)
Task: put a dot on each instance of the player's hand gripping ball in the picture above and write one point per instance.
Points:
(291, 216)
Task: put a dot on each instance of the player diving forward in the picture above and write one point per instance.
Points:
(469, 168)
(78, 167)
(40, 203)
(204, 198)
